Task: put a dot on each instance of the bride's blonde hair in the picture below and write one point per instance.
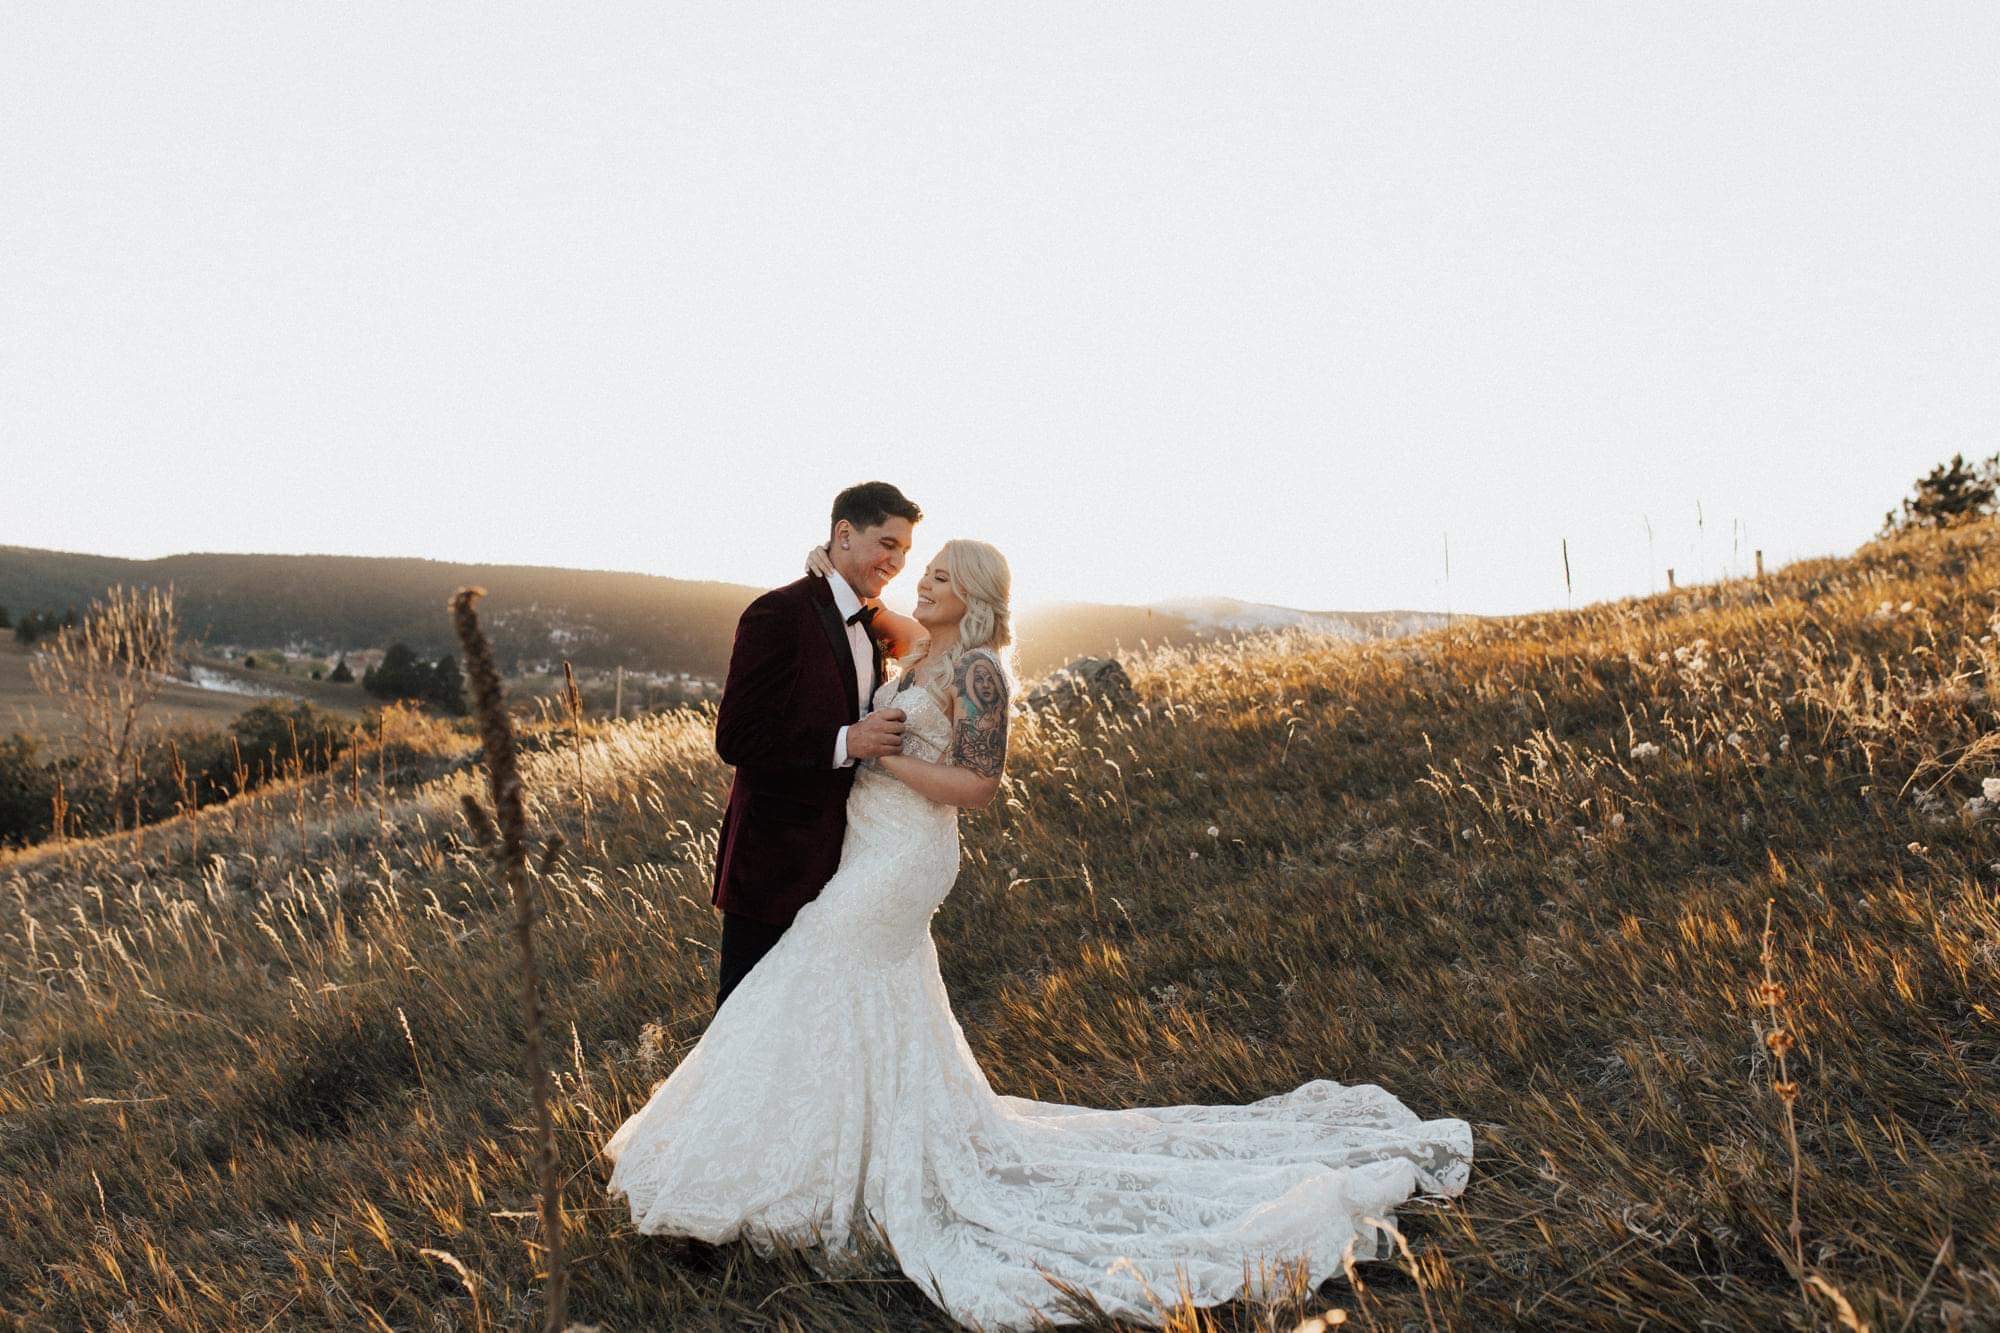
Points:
(980, 575)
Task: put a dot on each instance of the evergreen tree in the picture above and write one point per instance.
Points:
(36, 625)
(1952, 493)
(448, 685)
(342, 674)
(6, 621)
(41, 624)
(399, 675)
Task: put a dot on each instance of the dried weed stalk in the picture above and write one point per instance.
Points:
(496, 734)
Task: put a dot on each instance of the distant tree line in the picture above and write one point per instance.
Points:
(595, 618)
(35, 625)
(401, 674)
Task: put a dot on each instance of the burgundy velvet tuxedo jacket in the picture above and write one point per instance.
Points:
(789, 692)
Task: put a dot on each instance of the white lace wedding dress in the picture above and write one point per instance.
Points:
(834, 1086)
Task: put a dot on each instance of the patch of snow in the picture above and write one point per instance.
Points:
(208, 678)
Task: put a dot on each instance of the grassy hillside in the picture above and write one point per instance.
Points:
(593, 617)
(262, 1066)
(1052, 635)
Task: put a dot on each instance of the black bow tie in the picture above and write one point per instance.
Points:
(864, 615)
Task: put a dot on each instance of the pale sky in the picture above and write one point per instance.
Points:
(1164, 300)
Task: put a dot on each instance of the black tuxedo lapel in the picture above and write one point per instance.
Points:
(836, 634)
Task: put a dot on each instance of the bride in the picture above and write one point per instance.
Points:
(835, 1091)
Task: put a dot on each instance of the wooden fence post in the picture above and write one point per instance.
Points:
(1670, 578)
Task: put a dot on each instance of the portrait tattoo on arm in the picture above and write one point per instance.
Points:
(979, 741)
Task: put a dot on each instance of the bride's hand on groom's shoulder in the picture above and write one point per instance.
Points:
(901, 637)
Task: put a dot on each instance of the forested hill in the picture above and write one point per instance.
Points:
(335, 602)
(540, 614)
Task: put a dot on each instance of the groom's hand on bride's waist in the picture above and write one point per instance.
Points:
(880, 733)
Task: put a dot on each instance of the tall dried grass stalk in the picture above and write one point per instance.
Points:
(104, 671)
(476, 820)
(1415, 1270)
(496, 734)
(185, 798)
(551, 854)
(59, 811)
(1778, 1040)
(572, 700)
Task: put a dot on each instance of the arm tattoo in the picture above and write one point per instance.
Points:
(979, 740)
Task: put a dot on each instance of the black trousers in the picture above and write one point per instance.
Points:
(744, 941)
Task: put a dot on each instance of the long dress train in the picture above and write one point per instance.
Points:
(835, 1087)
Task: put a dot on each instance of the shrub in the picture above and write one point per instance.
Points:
(27, 787)
(1952, 493)
(273, 735)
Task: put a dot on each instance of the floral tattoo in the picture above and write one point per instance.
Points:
(979, 741)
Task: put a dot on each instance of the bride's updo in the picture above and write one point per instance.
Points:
(980, 575)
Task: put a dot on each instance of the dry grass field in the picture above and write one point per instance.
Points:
(25, 708)
(260, 1068)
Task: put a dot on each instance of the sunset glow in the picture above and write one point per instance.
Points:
(1275, 310)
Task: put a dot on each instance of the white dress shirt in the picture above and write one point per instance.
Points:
(847, 603)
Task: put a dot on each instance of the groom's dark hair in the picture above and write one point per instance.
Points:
(871, 504)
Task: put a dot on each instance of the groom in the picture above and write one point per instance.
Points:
(794, 719)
